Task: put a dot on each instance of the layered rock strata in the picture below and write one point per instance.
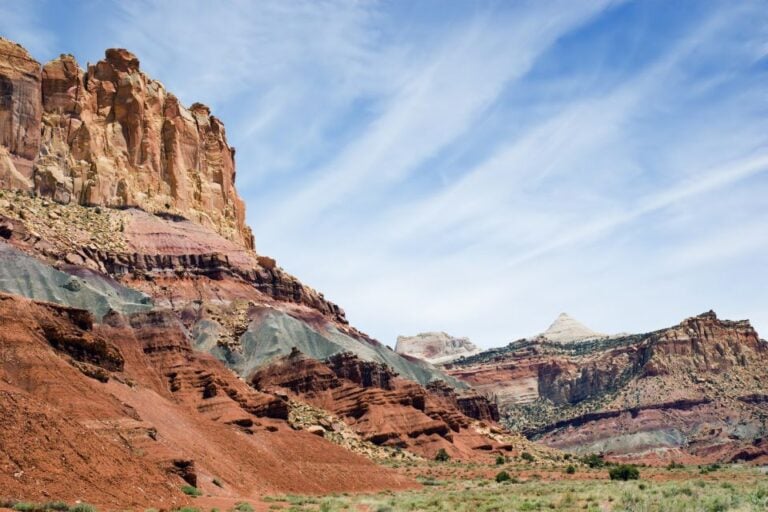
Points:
(387, 410)
(686, 392)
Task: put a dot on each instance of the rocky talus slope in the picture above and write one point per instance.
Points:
(693, 392)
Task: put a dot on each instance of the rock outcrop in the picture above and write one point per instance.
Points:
(684, 393)
(435, 347)
(110, 135)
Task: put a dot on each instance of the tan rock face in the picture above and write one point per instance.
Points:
(20, 114)
(112, 136)
(435, 347)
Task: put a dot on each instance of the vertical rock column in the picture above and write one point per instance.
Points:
(20, 115)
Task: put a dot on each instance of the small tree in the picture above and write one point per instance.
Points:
(442, 455)
(503, 476)
(624, 472)
(500, 459)
(593, 460)
(570, 469)
(527, 457)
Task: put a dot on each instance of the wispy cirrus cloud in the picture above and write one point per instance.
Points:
(560, 190)
(435, 103)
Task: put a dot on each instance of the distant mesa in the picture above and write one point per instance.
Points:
(435, 347)
(442, 348)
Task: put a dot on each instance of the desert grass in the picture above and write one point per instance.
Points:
(738, 489)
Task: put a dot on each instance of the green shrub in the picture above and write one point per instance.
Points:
(57, 505)
(624, 472)
(82, 507)
(593, 460)
(527, 457)
(442, 455)
(570, 469)
(243, 506)
(500, 459)
(503, 476)
(26, 507)
(191, 491)
(674, 465)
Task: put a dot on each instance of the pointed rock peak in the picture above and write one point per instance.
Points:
(566, 329)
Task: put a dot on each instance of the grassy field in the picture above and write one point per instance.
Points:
(529, 486)
(472, 488)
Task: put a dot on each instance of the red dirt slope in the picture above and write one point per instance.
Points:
(164, 412)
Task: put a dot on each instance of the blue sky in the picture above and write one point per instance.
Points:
(476, 167)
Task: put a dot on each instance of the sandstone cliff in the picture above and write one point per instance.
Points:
(110, 135)
(20, 115)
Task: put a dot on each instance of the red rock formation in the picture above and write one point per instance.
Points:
(174, 257)
(383, 408)
(470, 403)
